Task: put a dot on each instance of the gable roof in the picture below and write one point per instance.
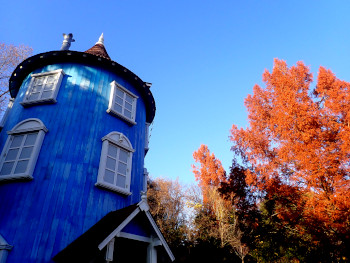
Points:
(87, 246)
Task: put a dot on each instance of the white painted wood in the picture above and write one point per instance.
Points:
(29, 126)
(160, 236)
(151, 253)
(119, 141)
(135, 237)
(117, 231)
(110, 250)
(112, 100)
(58, 74)
(4, 249)
(145, 178)
(7, 112)
(143, 205)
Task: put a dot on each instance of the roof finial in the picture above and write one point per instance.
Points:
(100, 40)
(67, 40)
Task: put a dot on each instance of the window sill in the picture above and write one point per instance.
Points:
(114, 113)
(113, 188)
(16, 177)
(35, 102)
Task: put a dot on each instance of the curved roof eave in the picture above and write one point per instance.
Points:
(64, 56)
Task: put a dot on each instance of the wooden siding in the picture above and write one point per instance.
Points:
(41, 217)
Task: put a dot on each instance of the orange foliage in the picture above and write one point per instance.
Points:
(210, 171)
(298, 142)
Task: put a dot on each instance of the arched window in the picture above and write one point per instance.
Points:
(21, 150)
(115, 163)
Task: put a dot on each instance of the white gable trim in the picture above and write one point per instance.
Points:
(118, 229)
(160, 236)
(142, 206)
(135, 237)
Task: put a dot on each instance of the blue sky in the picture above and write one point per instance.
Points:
(203, 57)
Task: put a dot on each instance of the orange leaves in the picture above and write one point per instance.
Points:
(210, 170)
(209, 173)
(298, 140)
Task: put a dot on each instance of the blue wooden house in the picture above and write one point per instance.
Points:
(72, 178)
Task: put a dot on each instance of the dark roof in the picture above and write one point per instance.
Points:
(68, 56)
(98, 50)
(85, 247)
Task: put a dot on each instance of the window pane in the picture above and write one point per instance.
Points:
(17, 141)
(128, 98)
(128, 106)
(123, 156)
(108, 177)
(120, 93)
(110, 163)
(39, 81)
(12, 154)
(121, 181)
(48, 87)
(34, 96)
(37, 89)
(112, 151)
(26, 152)
(127, 114)
(6, 168)
(47, 94)
(51, 79)
(118, 108)
(30, 140)
(122, 168)
(21, 167)
(118, 101)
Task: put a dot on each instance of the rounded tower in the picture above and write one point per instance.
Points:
(73, 144)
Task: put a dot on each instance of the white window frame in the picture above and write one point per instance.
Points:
(6, 114)
(24, 128)
(121, 142)
(55, 87)
(112, 102)
(4, 249)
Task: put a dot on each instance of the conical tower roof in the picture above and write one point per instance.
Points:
(99, 49)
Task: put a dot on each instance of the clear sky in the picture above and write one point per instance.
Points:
(203, 57)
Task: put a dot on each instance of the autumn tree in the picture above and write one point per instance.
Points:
(297, 149)
(217, 215)
(10, 57)
(209, 172)
(167, 202)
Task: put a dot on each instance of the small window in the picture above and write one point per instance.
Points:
(43, 87)
(21, 150)
(115, 163)
(122, 103)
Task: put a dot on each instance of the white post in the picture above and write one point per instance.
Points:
(110, 251)
(151, 253)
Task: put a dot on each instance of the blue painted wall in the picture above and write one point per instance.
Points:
(41, 217)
